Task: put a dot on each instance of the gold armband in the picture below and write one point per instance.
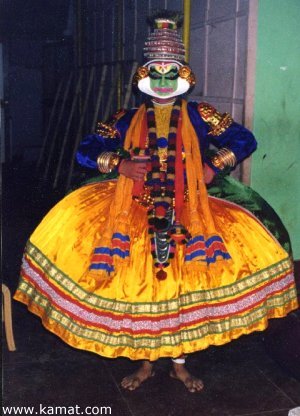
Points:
(108, 129)
(107, 161)
(224, 158)
(218, 122)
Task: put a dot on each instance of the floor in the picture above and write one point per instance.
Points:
(255, 375)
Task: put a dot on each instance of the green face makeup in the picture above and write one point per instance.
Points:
(163, 80)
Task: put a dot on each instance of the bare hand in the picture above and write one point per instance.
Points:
(208, 173)
(133, 170)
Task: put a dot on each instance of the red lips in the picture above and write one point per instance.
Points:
(157, 89)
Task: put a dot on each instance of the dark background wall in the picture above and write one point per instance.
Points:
(44, 41)
(28, 27)
(70, 63)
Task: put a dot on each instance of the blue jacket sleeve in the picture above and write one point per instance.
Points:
(91, 147)
(238, 139)
(94, 144)
(221, 131)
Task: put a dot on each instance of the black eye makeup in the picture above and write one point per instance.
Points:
(171, 75)
(153, 74)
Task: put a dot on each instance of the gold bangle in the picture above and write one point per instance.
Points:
(107, 161)
(223, 158)
(114, 161)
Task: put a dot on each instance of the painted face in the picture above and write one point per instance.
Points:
(163, 79)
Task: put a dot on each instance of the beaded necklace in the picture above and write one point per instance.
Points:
(161, 215)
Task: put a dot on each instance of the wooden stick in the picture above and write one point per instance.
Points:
(187, 27)
(8, 319)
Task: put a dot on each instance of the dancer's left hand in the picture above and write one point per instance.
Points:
(208, 173)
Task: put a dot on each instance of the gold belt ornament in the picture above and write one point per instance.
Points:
(147, 201)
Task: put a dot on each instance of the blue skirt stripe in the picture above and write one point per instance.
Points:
(102, 250)
(226, 256)
(197, 253)
(102, 266)
(212, 239)
(121, 237)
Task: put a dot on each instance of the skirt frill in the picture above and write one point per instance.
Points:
(132, 313)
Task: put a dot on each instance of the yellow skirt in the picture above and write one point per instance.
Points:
(133, 314)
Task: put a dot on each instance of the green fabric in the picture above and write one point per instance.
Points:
(228, 188)
(100, 178)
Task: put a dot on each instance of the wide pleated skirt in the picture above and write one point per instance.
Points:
(132, 313)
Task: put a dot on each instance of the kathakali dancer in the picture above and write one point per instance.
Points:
(147, 263)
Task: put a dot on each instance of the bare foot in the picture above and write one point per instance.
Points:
(179, 372)
(133, 381)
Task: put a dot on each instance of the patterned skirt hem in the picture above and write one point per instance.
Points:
(184, 340)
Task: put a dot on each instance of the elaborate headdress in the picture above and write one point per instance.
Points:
(164, 44)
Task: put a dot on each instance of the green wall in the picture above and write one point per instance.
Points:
(275, 171)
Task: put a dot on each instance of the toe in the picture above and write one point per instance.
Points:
(125, 382)
(193, 385)
(131, 383)
(197, 385)
(190, 385)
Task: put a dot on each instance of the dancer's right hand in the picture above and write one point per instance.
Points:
(133, 170)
